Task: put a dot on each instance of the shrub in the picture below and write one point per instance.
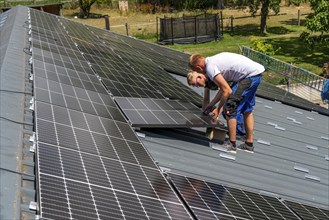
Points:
(262, 46)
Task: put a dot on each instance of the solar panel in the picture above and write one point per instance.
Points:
(89, 133)
(90, 162)
(76, 99)
(144, 112)
(306, 211)
(214, 201)
(75, 183)
(7, 20)
(123, 67)
(168, 59)
(171, 60)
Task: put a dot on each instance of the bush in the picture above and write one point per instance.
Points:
(262, 46)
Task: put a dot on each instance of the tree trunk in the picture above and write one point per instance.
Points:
(263, 15)
(154, 4)
(85, 8)
(220, 4)
(84, 12)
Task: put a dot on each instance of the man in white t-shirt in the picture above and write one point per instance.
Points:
(239, 99)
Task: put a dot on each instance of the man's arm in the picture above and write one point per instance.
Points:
(225, 91)
(213, 102)
(206, 98)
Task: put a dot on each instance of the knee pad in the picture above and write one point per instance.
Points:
(231, 106)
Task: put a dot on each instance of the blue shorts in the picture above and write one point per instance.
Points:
(243, 96)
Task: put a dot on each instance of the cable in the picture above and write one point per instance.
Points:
(19, 92)
(16, 172)
(16, 122)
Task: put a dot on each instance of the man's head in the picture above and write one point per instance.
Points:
(197, 63)
(196, 79)
(326, 69)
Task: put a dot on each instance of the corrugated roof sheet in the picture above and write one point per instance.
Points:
(290, 159)
(16, 121)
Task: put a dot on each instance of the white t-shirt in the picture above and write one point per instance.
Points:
(233, 67)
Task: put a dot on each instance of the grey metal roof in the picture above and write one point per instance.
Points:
(294, 166)
(16, 175)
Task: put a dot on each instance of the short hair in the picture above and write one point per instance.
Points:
(191, 75)
(194, 60)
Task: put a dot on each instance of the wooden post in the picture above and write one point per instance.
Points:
(195, 30)
(184, 26)
(172, 30)
(222, 23)
(107, 22)
(127, 29)
(232, 23)
(157, 26)
(205, 22)
(217, 26)
(61, 10)
(298, 17)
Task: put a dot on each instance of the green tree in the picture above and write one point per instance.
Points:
(85, 6)
(318, 21)
(265, 6)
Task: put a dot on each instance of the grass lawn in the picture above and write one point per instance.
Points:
(282, 32)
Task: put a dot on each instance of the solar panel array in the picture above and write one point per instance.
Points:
(142, 112)
(6, 24)
(171, 60)
(3, 19)
(214, 201)
(91, 165)
(125, 70)
(306, 211)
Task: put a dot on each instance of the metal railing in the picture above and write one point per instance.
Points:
(294, 73)
(300, 82)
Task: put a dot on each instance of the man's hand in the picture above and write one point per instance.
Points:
(207, 109)
(215, 113)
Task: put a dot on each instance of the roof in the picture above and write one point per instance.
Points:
(17, 167)
(291, 141)
(290, 159)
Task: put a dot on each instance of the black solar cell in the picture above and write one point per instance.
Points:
(89, 180)
(306, 211)
(85, 146)
(208, 200)
(144, 112)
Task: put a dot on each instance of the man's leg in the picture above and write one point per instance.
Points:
(231, 122)
(230, 146)
(249, 126)
(248, 115)
(230, 109)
